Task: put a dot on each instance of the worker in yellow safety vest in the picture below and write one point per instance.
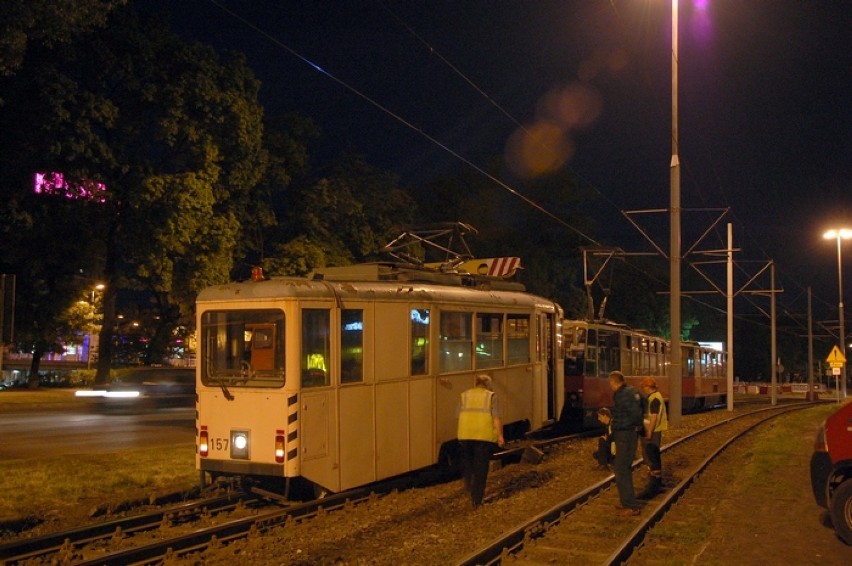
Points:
(480, 432)
(656, 421)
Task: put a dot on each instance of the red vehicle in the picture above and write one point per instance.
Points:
(595, 348)
(831, 470)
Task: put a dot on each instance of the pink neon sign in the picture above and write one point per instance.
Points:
(55, 184)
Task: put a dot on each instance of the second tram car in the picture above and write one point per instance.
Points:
(594, 349)
(353, 374)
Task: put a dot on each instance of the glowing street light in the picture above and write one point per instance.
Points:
(840, 235)
(98, 287)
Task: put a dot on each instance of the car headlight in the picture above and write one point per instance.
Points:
(121, 394)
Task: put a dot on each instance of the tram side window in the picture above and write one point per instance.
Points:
(489, 340)
(592, 353)
(518, 338)
(315, 347)
(609, 353)
(456, 342)
(574, 349)
(351, 345)
(419, 341)
(242, 348)
(687, 361)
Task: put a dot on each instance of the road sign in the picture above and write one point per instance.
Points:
(836, 356)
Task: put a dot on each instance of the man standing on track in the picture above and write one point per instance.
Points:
(480, 432)
(627, 413)
(656, 421)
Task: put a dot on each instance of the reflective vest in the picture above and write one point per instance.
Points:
(475, 419)
(662, 418)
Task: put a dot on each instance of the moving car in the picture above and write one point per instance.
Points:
(831, 470)
(147, 388)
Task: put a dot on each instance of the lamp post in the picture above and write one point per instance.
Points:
(93, 342)
(840, 234)
(675, 372)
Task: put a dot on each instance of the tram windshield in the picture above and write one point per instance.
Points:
(242, 348)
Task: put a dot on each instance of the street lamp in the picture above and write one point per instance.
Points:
(98, 287)
(840, 235)
(93, 338)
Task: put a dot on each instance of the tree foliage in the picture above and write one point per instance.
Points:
(172, 132)
(344, 217)
(48, 23)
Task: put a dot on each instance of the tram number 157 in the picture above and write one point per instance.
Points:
(219, 444)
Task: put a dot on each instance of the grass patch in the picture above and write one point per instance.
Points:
(23, 396)
(780, 443)
(56, 486)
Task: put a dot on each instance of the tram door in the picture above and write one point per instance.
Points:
(318, 414)
(355, 331)
(553, 363)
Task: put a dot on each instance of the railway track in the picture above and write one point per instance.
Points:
(64, 545)
(180, 530)
(583, 529)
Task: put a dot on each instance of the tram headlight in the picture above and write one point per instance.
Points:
(240, 444)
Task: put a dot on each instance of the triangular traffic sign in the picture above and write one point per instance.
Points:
(836, 356)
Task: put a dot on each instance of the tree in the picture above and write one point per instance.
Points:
(342, 218)
(287, 139)
(49, 23)
(174, 136)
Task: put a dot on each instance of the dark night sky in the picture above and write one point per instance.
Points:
(765, 114)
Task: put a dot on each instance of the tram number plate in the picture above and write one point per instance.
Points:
(219, 444)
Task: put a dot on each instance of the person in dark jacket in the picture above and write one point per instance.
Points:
(627, 412)
(605, 453)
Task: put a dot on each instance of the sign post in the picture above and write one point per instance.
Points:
(836, 361)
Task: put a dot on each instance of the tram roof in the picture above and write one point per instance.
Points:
(379, 282)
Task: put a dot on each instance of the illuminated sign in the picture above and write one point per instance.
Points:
(55, 184)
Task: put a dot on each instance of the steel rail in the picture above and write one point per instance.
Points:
(513, 540)
(635, 538)
(22, 550)
(230, 530)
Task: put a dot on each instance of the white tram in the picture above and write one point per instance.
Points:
(353, 374)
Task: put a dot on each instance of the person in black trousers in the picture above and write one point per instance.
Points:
(480, 432)
(606, 450)
(627, 414)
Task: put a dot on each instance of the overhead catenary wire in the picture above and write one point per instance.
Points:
(432, 139)
(504, 185)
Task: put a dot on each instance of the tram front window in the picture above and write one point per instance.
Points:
(242, 348)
